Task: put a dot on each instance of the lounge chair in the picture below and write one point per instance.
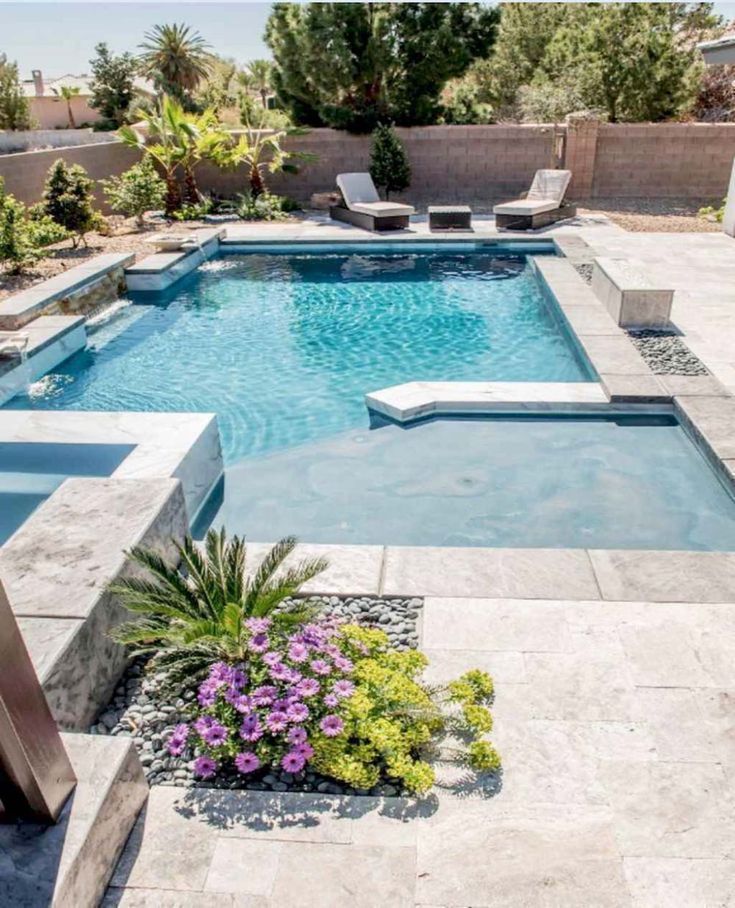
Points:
(13, 343)
(542, 205)
(363, 208)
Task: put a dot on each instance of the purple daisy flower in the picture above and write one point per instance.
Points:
(264, 696)
(258, 625)
(220, 671)
(205, 767)
(296, 735)
(207, 693)
(298, 652)
(293, 761)
(251, 729)
(343, 664)
(331, 650)
(297, 712)
(332, 726)
(308, 687)
(259, 643)
(276, 721)
(305, 749)
(239, 679)
(247, 761)
(271, 658)
(215, 735)
(243, 703)
(202, 724)
(177, 741)
(343, 688)
(331, 700)
(280, 672)
(321, 667)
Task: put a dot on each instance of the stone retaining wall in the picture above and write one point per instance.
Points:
(477, 164)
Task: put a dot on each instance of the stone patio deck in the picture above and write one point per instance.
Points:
(615, 724)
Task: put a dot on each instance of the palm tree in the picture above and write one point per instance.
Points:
(176, 58)
(260, 72)
(66, 93)
(194, 614)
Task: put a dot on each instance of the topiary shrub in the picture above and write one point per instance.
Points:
(389, 165)
(67, 200)
(136, 191)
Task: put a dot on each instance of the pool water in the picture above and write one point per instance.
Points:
(521, 481)
(284, 346)
(30, 472)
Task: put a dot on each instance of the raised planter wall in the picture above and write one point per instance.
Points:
(476, 164)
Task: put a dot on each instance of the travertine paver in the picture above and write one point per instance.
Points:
(616, 723)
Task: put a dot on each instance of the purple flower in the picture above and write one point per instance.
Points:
(331, 650)
(177, 741)
(265, 695)
(259, 643)
(207, 693)
(239, 679)
(293, 676)
(258, 625)
(272, 658)
(220, 671)
(280, 672)
(332, 726)
(293, 761)
(243, 703)
(296, 735)
(215, 735)
(297, 652)
(297, 712)
(247, 761)
(251, 729)
(205, 767)
(343, 664)
(305, 749)
(276, 721)
(321, 667)
(308, 687)
(331, 700)
(202, 724)
(343, 689)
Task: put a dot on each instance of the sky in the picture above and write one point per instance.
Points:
(59, 37)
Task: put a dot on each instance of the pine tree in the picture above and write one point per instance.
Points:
(389, 165)
(67, 199)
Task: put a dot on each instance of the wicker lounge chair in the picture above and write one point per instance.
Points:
(363, 208)
(543, 204)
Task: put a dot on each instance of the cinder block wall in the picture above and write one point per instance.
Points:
(476, 164)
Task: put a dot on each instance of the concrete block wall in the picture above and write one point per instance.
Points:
(475, 164)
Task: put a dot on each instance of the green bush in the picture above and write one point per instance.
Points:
(17, 250)
(265, 207)
(389, 165)
(67, 200)
(136, 191)
(710, 213)
(190, 212)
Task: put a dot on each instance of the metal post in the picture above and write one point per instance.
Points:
(36, 776)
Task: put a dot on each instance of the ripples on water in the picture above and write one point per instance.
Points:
(284, 347)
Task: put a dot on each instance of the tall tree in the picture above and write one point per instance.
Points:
(66, 93)
(261, 72)
(176, 58)
(14, 108)
(113, 84)
(354, 65)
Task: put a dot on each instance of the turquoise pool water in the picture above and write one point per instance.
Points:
(284, 346)
(577, 482)
(30, 472)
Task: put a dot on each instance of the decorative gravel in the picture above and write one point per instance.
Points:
(666, 353)
(139, 712)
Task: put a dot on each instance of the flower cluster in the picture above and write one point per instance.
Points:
(336, 697)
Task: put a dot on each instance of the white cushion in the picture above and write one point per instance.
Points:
(548, 185)
(357, 187)
(525, 207)
(382, 209)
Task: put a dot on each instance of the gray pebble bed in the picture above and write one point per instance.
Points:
(137, 710)
(666, 353)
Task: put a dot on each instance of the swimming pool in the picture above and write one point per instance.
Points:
(30, 472)
(283, 345)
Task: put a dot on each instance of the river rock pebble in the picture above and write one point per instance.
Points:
(137, 710)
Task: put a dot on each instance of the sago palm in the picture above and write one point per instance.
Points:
(176, 57)
(194, 614)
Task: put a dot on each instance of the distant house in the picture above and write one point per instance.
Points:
(719, 51)
(49, 110)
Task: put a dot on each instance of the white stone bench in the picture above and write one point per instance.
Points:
(629, 296)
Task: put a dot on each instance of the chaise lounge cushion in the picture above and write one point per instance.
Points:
(382, 209)
(525, 207)
(360, 194)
